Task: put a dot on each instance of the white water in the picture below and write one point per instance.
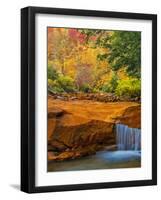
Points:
(128, 138)
(128, 154)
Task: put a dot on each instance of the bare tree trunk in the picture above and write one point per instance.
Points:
(62, 68)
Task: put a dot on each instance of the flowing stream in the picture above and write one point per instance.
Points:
(128, 155)
(128, 138)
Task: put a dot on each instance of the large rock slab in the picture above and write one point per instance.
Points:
(131, 117)
(79, 128)
(92, 132)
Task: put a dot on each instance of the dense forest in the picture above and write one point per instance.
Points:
(94, 107)
(94, 61)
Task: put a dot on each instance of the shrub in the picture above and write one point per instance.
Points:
(50, 83)
(54, 86)
(52, 73)
(66, 83)
(61, 84)
(129, 88)
(95, 90)
(106, 88)
(85, 88)
(111, 85)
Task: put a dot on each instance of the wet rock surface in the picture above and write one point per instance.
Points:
(77, 128)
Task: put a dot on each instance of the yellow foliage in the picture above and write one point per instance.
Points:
(71, 58)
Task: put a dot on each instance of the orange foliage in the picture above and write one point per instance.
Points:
(69, 54)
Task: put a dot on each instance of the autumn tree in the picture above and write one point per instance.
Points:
(63, 44)
(83, 75)
(59, 46)
(91, 60)
(124, 49)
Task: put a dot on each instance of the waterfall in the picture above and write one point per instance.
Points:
(128, 138)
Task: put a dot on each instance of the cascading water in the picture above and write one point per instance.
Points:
(128, 138)
(127, 155)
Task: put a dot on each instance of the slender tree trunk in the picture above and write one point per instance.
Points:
(62, 68)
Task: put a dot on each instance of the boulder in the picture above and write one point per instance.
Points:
(71, 154)
(83, 134)
(131, 117)
(78, 128)
(55, 113)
